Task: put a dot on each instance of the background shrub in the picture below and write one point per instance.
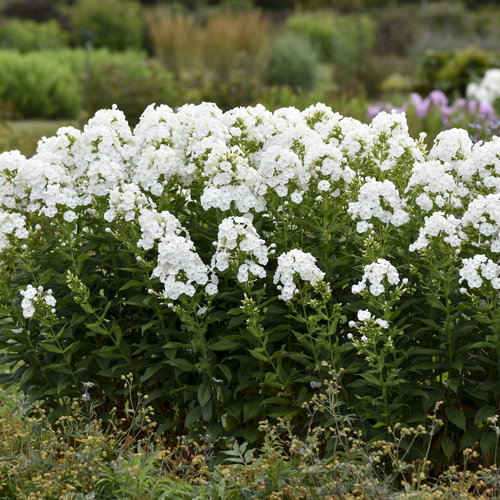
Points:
(318, 29)
(115, 24)
(293, 62)
(38, 86)
(131, 83)
(52, 84)
(27, 35)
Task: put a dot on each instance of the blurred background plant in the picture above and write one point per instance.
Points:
(348, 54)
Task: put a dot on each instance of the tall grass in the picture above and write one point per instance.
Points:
(212, 42)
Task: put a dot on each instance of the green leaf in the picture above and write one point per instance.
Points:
(229, 342)
(108, 352)
(206, 411)
(193, 416)
(51, 347)
(483, 413)
(150, 371)
(469, 438)
(448, 446)
(96, 328)
(182, 364)
(132, 283)
(226, 371)
(457, 417)
(370, 378)
(434, 301)
(258, 355)
(488, 441)
(204, 393)
(251, 410)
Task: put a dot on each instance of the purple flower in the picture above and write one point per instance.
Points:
(487, 111)
(438, 98)
(472, 107)
(421, 105)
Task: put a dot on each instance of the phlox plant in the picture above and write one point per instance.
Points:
(225, 258)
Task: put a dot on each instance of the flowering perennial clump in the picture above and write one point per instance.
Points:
(223, 257)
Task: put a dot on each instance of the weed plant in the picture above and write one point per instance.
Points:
(84, 456)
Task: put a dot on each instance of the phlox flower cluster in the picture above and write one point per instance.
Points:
(231, 179)
(439, 226)
(35, 299)
(480, 268)
(379, 200)
(179, 267)
(292, 265)
(438, 188)
(376, 274)
(483, 214)
(369, 326)
(249, 164)
(11, 225)
(482, 168)
(238, 242)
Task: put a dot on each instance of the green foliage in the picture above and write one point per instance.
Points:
(37, 10)
(293, 62)
(37, 86)
(24, 135)
(28, 35)
(115, 24)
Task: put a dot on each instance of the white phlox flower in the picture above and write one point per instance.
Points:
(451, 147)
(325, 164)
(249, 128)
(12, 225)
(379, 200)
(487, 91)
(282, 171)
(231, 181)
(179, 267)
(480, 268)
(238, 242)
(202, 128)
(481, 221)
(481, 170)
(292, 264)
(376, 274)
(126, 201)
(391, 141)
(435, 186)
(439, 225)
(36, 298)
